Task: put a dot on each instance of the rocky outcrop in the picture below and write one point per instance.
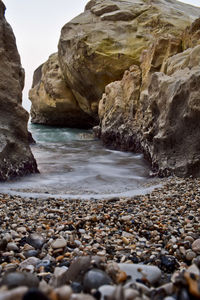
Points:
(164, 124)
(16, 158)
(117, 110)
(170, 127)
(52, 101)
(96, 47)
(191, 36)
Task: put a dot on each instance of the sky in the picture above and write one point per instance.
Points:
(37, 25)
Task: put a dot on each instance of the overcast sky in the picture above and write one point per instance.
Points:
(37, 24)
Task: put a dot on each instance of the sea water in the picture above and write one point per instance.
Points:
(73, 163)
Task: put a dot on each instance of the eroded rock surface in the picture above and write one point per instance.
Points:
(52, 101)
(96, 47)
(165, 124)
(191, 35)
(170, 133)
(16, 158)
(117, 110)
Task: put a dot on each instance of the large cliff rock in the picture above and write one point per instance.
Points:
(96, 47)
(52, 101)
(16, 158)
(164, 124)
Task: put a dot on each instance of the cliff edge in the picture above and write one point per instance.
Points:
(16, 158)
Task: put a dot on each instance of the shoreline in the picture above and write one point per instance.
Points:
(156, 229)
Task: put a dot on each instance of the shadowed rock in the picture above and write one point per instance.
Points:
(16, 158)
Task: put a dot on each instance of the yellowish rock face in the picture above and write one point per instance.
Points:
(97, 47)
(53, 102)
(165, 124)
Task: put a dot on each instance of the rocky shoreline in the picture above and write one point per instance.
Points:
(74, 249)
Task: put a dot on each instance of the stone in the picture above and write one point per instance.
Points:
(100, 44)
(59, 243)
(194, 270)
(59, 274)
(12, 246)
(76, 287)
(35, 240)
(34, 261)
(16, 293)
(196, 246)
(189, 238)
(191, 35)
(16, 279)
(168, 263)
(138, 271)
(81, 297)
(64, 292)
(186, 59)
(118, 107)
(8, 237)
(16, 158)
(105, 50)
(130, 294)
(142, 125)
(33, 294)
(78, 268)
(190, 255)
(10, 268)
(30, 253)
(3, 244)
(53, 103)
(106, 291)
(95, 278)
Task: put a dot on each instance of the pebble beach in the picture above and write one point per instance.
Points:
(144, 247)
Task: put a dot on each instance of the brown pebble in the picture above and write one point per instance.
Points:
(121, 277)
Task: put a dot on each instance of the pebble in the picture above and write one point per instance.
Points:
(3, 244)
(34, 294)
(189, 238)
(106, 291)
(10, 268)
(168, 263)
(59, 243)
(35, 240)
(138, 271)
(34, 261)
(190, 255)
(82, 297)
(12, 246)
(95, 278)
(30, 253)
(64, 292)
(196, 246)
(16, 279)
(159, 230)
(14, 294)
(21, 229)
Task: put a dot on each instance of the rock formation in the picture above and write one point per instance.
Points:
(52, 101)
(155, 104)
(164, 124)
(16, 158)
(96, 48)
(191, 36)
